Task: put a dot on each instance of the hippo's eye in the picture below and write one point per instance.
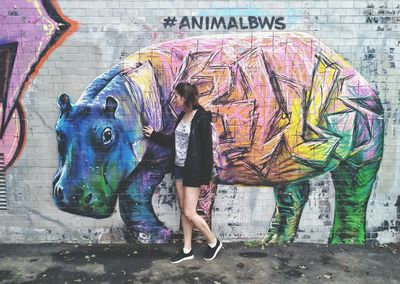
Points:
(107, 136)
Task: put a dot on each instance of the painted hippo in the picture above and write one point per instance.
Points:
(286, 109)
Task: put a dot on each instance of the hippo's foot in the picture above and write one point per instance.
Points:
(143, 235)
(290, 201)
(275, 238)
(353, 186)
(136, 207)
(255, 243)
(266, 241)
(269, 238)
(160, 236)
(142, 223)
(347, 240)
(279, 233)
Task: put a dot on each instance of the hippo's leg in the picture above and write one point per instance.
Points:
(353, 186)
(136, 207)
(290, 201)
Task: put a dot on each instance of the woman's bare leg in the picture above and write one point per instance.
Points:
(191, 197)
(187, 225)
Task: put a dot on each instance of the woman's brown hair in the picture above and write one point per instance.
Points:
(190, 93)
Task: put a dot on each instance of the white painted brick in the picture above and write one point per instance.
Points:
(108, 27)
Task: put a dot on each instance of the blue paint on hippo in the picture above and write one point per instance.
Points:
(103, 155)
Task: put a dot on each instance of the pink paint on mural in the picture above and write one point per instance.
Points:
(33, 30)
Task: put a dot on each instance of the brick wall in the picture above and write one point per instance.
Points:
(364, 33)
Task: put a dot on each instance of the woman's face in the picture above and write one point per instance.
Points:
(180, 101)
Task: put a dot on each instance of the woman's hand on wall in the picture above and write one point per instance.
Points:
(148, 130)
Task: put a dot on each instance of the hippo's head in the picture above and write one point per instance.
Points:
(100, 143)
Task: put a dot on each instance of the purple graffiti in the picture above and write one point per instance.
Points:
(32, 30)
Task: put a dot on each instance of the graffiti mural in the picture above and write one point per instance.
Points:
(286, 109)
(34, 29)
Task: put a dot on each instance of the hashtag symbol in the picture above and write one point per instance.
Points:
(169, 22)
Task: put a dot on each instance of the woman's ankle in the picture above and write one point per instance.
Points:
(213, 242)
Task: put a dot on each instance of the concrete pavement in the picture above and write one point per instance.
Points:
(135, 263)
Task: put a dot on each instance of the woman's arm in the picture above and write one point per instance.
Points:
(167, 140)
(163, 139)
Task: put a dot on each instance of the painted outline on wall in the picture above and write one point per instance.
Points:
(44, 27)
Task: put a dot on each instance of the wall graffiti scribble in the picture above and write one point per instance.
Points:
(286, 108)
(35, 29)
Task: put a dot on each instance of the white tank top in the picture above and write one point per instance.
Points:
(182, 133)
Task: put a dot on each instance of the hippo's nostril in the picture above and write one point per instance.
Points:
(59, 193)
(88, 198)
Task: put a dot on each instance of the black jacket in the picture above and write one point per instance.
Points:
(199, 160)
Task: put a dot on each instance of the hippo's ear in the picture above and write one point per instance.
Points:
(64, 103)
(111, 105)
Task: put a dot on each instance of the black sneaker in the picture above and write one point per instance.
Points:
(211, 253)
(181, 256)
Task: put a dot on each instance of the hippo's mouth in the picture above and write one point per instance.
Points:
(84, 208)
(86, 205)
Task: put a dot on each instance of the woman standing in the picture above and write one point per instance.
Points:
(193, 157)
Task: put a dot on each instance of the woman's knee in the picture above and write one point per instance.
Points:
(189, 214)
